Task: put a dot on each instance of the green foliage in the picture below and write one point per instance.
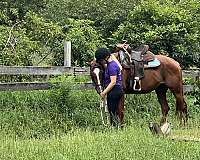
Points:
(106, 14)
(37, 41)
(84, 40)
(49, 35)
(16, 47)
(166, 27)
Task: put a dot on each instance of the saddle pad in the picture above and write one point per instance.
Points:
(152, 64)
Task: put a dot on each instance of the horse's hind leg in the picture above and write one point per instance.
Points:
(161, 95)
(181, 106)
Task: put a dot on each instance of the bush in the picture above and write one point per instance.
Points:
(16, 47)
(45, 113)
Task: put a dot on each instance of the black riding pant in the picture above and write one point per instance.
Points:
(113, 99)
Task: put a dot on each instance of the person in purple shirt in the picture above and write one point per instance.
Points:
(112, 82)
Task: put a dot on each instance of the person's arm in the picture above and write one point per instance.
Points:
(110, 86)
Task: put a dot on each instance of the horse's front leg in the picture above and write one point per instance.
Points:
(121, 109)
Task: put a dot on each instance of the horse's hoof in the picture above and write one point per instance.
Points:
(157, 129)
(165, 128)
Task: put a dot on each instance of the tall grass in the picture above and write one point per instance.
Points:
(37, 114)
(65, 124)
(46, 113)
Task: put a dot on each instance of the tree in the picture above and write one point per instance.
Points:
(167, 27)
(106, 14)
(85, 39)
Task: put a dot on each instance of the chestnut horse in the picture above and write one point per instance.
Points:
(166, 76)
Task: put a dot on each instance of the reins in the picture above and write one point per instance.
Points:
(103, 108)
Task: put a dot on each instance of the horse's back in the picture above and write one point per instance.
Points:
(168, 63)
(169, 73)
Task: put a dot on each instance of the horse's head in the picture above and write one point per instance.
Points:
(96, 73)
(97, 68)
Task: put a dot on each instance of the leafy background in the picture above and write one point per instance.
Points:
(62, 123)
(33, 33)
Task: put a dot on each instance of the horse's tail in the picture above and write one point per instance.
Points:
(185, 110)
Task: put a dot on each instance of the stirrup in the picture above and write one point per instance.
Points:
(137, 82)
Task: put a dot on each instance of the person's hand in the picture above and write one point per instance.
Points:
(102, 94)
(120, 45)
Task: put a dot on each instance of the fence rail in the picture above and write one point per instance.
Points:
(191, 73)
(21, 86)
(62, 70)
(32, 70)
(58, 70)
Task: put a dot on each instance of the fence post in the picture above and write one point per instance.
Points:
(67, 54)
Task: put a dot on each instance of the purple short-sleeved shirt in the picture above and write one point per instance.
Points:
(112, 70)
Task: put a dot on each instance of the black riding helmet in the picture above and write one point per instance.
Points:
(102, 53)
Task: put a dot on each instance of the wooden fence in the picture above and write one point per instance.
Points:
(62, 70)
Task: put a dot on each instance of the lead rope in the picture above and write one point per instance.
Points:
(103, 102)
(101, 111)
(104, 106)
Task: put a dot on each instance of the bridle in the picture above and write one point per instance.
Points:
(96, 71)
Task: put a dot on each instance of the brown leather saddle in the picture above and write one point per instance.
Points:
(139, 57)
(136, 60)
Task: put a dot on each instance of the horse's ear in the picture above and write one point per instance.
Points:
(90, 62)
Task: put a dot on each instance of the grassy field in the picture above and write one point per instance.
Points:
(131, 143)
(61, 124)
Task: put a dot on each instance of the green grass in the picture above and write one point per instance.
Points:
(62, 124)
(109, 144)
